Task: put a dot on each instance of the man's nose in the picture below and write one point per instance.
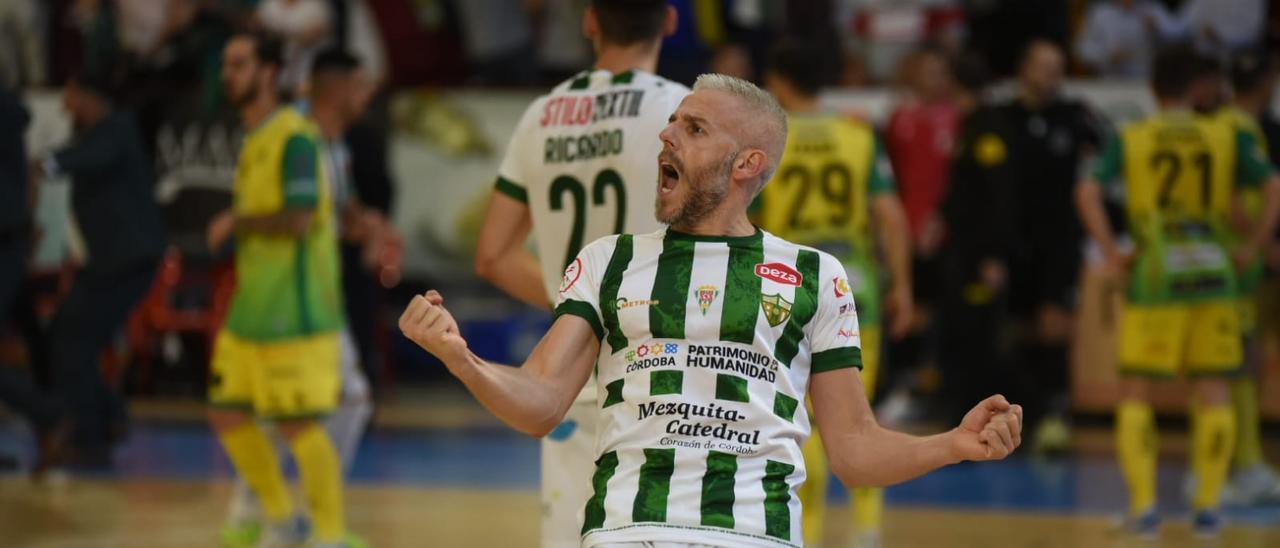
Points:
(667, 136)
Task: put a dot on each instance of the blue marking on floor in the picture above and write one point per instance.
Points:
(497, 458)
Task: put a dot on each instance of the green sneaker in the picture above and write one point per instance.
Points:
(240, 535)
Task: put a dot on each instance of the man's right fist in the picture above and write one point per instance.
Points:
(426, 322)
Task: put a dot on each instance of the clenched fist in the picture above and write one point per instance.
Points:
(989, 431)
(426, 322)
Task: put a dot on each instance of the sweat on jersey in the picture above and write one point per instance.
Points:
(585, 159)
(707, 345)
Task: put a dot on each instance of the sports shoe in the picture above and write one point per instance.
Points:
(351, 541)
(1206, 524)
(1145, 525)
(1253, 486)
(290, 533)
(240, 535)
(1052, 436)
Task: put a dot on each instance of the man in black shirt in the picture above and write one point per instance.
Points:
(16, 389)
(978, 213)
(112, 188)
(1052, 137)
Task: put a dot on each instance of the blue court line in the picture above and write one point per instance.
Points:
(496, 458)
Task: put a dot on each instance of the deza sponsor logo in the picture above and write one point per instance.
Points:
(779, 273)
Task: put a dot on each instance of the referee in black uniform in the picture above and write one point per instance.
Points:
(1052, 137)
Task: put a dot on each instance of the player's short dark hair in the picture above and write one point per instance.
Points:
(800, 63)
(626, 22)
(268, 48)
(334, 60)
(1030, 47)
(1249, 70)
(970, 72)
(1173, 71)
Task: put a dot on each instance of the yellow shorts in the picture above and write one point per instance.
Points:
(293, 378)
(1165, 340)
(870, 337)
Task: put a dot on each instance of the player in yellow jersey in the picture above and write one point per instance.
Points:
(1181, 174)
(832, 183)
(277, 356)
(1253, 81)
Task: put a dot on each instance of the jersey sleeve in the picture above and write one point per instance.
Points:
(1109, 165)
(1252, 165)
(300, 171)
(834, 339)
(514, 174)
(580, 287)
(880, 180)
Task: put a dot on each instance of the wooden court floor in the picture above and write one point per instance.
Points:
(148, 513)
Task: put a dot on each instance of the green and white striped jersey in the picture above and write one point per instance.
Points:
(707, 345)
(584, 158)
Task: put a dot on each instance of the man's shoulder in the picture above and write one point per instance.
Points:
(774, 241)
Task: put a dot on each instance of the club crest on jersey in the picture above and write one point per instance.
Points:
(841, 286)
(706, 295)
(776, 309)
(779, 273)
(571, 275)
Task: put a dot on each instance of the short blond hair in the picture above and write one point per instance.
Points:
(767, 116)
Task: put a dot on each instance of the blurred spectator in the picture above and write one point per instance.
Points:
(1219, 27)
(1118, 37)
(890, 30)
(17, 391)
(979, 214)
(733, 60)
(306, 27)
(112, 202)
(1052, 136)
(562, 48)
(918, 138)
(22, 57)
(999, 30)
(499, 42)
(145, 27)
(363, 37)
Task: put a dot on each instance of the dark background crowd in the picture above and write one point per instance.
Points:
(986, 182)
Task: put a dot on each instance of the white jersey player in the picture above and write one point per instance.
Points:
(580, 166)
(707, 337)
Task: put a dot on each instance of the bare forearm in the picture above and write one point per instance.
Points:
(878, 456)
(517, 274)
(1094, 216)
(1266, 229)
(514, 395)
(895, 241)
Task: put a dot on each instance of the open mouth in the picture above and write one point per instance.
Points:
(668, 177)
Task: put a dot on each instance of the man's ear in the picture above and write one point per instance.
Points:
(672, 23)
(590, 25)
(750, 164)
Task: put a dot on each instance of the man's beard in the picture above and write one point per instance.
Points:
(707, 189)
(244, 98)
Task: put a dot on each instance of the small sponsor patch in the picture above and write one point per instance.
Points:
(841, 286)
(779, 273)
(622, 303)
(776, 309)
(571, 274)
(706, 295)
